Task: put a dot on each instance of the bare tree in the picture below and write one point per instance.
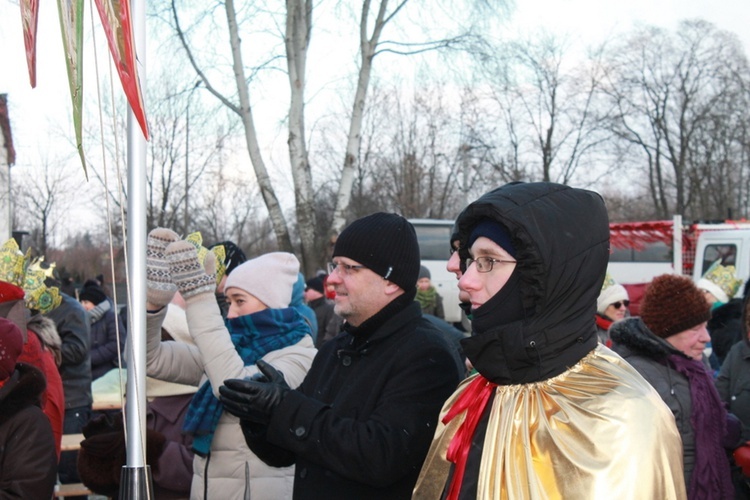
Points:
(415, 169)
(42, 200)
(671, 92)
(373, 19)
(546, 104)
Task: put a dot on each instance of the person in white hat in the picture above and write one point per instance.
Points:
(260, 327)
(611, 305)
(720, 285)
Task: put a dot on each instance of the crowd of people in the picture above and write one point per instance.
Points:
(264, 383)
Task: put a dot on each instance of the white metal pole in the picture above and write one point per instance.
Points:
(136, 482)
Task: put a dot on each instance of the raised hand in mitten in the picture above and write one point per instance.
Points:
(160, 288)
(186, 270)
(255, 399)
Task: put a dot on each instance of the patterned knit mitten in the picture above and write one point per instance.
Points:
(187, 272)
(160, 288)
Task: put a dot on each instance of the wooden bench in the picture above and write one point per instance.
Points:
(71, 442)
(71, 490)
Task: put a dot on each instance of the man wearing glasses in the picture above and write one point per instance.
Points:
(361, 423)
(551, 413)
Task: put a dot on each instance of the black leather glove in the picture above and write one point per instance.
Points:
(255, 399)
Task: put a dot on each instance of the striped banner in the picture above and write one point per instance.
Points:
(71, 25)
(115, 16)
(29, 20)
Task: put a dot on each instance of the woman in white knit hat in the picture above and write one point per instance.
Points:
(611, 305)
(720, 285)
(260, 325)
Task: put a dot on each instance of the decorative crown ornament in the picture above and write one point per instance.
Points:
(13, 263)
(18, 269)
(608, 281)
(721, 277)
(219, 252)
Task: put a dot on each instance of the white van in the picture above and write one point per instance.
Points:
(643, 250)
(434, 249)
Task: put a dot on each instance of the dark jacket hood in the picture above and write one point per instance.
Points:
(24, 388)
(561, 236)
(632, 336)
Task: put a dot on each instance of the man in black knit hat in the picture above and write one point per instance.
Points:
(360, 424)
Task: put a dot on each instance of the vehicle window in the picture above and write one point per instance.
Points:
(652, 252)
(727, 253)
(434, 242)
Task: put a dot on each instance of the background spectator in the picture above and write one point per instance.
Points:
(28, 462)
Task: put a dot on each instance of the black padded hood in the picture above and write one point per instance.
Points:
(561, 236)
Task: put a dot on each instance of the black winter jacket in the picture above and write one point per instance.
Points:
(648, 353)
(104, 343)
(75, 370)
(725, 327)
(733, 384)
(361, 423)
(28, 462)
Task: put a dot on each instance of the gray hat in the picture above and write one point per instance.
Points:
(424, 273)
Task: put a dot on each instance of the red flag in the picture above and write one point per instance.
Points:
(115, 16)
(29, 20)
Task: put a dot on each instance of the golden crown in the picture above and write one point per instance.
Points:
(608, 281)
(18, 269)
(219, 252)
(724, 277)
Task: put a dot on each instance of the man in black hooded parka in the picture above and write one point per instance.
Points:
(550, 413)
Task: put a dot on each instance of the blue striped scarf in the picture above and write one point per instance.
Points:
(254, 336)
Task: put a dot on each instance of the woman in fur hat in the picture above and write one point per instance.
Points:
(261, 325)
(666, 346)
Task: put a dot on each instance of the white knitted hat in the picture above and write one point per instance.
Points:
(720, 281)
(611, 292)
(269, 278)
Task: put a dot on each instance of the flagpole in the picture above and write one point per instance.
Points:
(135, 481)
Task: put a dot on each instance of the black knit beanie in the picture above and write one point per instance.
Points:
(234, 256)
(673, 304)
(93, 294)
(384, 243)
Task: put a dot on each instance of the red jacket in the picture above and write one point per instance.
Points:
(53, 398)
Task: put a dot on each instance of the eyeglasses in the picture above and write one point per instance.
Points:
(485, 264)
(343, 269)
(619, 304)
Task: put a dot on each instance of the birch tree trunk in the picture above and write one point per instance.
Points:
(368, 48)
(251, 138)
(297, 41)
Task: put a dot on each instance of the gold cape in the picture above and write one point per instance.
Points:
(598, 430)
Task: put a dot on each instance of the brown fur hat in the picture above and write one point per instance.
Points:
(673, 304)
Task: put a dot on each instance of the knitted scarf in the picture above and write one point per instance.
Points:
(254, 336)
(97, 312)
(711, 479)
(427, 298)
